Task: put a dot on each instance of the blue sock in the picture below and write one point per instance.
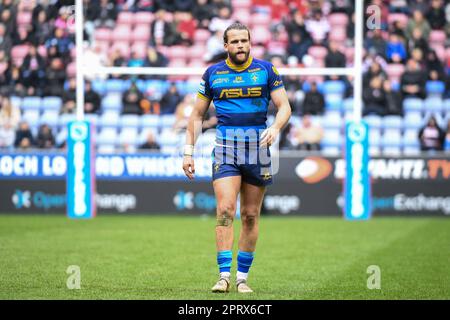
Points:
(224, 260)
(244, 260)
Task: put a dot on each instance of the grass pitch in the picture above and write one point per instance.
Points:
(173, 257)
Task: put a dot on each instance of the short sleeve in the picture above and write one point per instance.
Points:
(204, 91)
(275, 81)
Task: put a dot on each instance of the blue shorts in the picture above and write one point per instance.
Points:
(253, 165)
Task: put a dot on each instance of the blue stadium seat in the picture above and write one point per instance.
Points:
(52, 103)
(167, 120)
(142, 137)
(332, 120)
(391, 138)
(29, 103)
(307, 86)
(434, 104)
(115, 85)
(334, 102)
(112, 102)
(128, 136)
(333, 86)
(99, 86)
(51, 118)
(31, 117)
(374, 137)
(149, 121)
(332, 138)
(413, 104)
(348, 104)
(392, 122)
(61, 136)
(410, 139)
(413, 120)
(16, 101)
(129, 120)
(92, 118)
(373, 121)
(106, 148)
(435, 88)
(65, 118)
(107, 136)
(109, 119)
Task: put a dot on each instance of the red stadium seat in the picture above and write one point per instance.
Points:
(401, 17)
(71, 69)
(197, 63)
(103, 34)
(143, 18)
(338, 34)
(260, 19)
(19, 52)
(201, 35)
(317, 52)
(243, 16)
(123, 46)
(437, 37)
(24, 18)
(125, 17)
(121, 32)
(197, 51)
(241, 4)
(258, 52)
(177, 52)
(141, 33)
(395, 71)
(177, 63)
(260, 35)
(338, 20)
(140, 47)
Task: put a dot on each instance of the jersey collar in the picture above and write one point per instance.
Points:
(241, 67)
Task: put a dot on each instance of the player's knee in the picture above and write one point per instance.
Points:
(225, 215)
(249, 217)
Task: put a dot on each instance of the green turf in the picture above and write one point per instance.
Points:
(145, 257)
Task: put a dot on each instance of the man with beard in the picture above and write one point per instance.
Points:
(240, 88)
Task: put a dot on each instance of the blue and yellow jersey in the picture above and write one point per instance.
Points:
(241, 96)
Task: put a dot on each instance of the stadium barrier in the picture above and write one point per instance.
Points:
(308, 185)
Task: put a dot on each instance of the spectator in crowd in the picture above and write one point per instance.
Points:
(91, 99)
(41, 28)
(150, 143)
(45, 138)
(162, 32)
(210, 119)
(103, 13)
(293, 86)
(308, 136)
(374, 98)
(319, 27)
(5, 40)
(417, 41)
(447, 138)
(62, 42)
(33, 70)
(417, 54)
(222, 21)
(297, 26)
(314, 102)
(286, 135)
(95, 57)
(434, 67)
(9, 120)
(297, 46)
(8, 20)
(135, 60)
(436, 15)
(413, 81)
(69, 97)
(395, 50)
(393, 99)
(431, 136)
(132, 100)
(375, 40)
(183, 112)
(418, 21)
(24, 137)
(154, 58)
(334, 57)
(170, 100)
(369, 70)
(56, 75)
(4, 65)
(203, 12)
(21, 36)
(186, 26)
(398, 6)
(214, 48)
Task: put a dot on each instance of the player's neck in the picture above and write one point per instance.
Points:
(239, 67)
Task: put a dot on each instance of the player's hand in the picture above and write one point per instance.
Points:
(268, 137)
(188, 167)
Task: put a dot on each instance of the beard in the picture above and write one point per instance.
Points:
(236, 60)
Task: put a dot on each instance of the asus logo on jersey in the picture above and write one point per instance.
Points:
(241, 93)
